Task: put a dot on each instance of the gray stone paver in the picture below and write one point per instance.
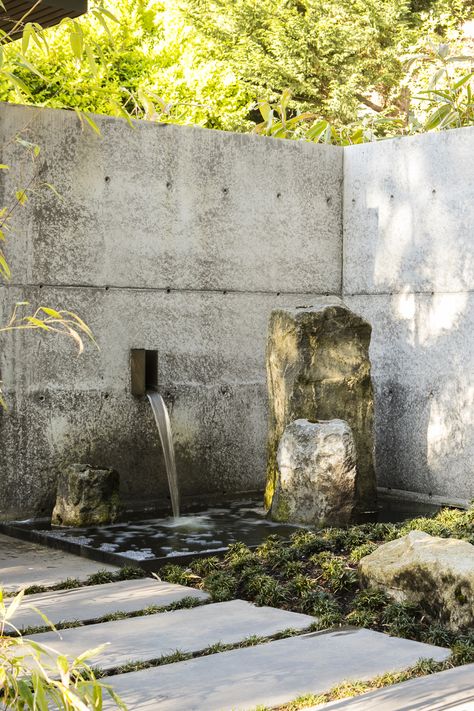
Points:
(188, 630)
(95, 601)
(270, 674)
(23, 564)
(452, 689)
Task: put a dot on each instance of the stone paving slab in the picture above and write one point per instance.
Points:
(188, 630)
(95, 601)
(23, 564)
(452, 689)
(269, 674)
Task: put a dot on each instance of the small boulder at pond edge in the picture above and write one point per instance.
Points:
(316, 474)
(435, 573)
(86, 496)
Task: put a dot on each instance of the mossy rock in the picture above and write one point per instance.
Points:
(318, 368)
(86, 496)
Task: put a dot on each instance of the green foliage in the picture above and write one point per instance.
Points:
(149, 63)
(203, 566)
(336, 69)
(361, 551)
(32, 677)
(332, 55)
(335, 572)
(14, 63)
(221, 585)
(315, 573)
(174, 574)
(355, 688)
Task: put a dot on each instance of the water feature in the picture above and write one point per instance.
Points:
(151, 541)
(162, 419)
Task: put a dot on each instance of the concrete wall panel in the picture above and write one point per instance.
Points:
(65, 407)
(183, 240)
(409, 214)
(422, 365)
(163, 206)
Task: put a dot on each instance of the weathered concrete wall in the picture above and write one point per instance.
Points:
(183, 240)
(176, 239)
(409, 270)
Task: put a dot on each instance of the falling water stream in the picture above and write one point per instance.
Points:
(163, 424)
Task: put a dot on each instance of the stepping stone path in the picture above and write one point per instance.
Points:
(269, 673)
(140, 639)
(92, 602)
(23, 564)
(452, 689)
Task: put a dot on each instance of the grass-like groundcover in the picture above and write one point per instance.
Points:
(315, 572)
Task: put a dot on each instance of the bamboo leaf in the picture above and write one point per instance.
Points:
(17, 82)
(37, 322)
(50, 312)
(437, 117)
(264, 108)
(23, 62)
(91, 62)
(40, 699)
(13, 606)
(25, 40)
(4, 268)
(89, 654)
(89, 120)
(108, 14)
(25, 693)
(463, 80)
(21, 196)
(100, 17)
(285, 98)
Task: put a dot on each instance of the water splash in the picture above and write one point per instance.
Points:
(162, 419)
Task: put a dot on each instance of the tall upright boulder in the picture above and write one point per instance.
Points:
(318, 368)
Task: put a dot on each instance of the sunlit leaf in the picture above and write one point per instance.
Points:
(14, 605)
(89, 120)
(4, 268)
(19, 83)
(436, 118)
(463, 80)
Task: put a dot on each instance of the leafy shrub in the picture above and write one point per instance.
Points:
(361, 551)
(174, 574)
(203, 566)
(335, 571)
(221, 585)
(32, 677)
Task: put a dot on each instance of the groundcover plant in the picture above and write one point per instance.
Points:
(315, 572)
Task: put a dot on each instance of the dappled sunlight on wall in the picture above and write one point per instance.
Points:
(440, 315)
(409, 269)
(448, 431)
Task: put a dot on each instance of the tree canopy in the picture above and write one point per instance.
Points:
(208, 61)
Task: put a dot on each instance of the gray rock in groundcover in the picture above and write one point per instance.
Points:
(316, 474)
(318, 368)
(436, 573)
(86, 496)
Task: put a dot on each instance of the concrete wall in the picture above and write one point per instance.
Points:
(409, 269)
(183, 240)
(169, 238)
